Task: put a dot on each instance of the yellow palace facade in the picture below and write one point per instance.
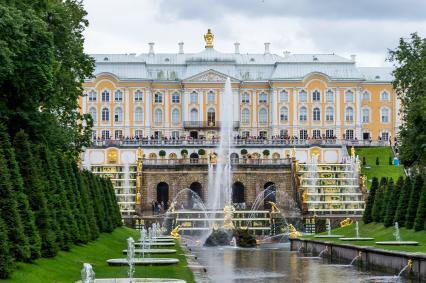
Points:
(296, 95)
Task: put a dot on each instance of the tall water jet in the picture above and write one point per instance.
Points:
(87, 273)
(219, 193)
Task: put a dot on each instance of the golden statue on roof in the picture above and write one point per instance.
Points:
(208, 38)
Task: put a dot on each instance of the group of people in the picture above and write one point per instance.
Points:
(159, 207)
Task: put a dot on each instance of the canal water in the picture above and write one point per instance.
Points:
(276, 264)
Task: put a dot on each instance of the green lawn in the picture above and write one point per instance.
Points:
(382, 170)
(380, 233)
(67, 265)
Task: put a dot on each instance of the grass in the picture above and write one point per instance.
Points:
(381, 170)
(66, 266)
(379, 233)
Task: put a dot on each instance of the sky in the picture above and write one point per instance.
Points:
(367, 28)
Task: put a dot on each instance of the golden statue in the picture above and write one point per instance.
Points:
(228, 211)
(215, 226)
(140, 153)
(305, 196)
(213, 157)
(292, 232)
(352, 152)
(208, 38)
(346, 222)
(293, 152)
(138, 198)
(172, 207)
(175, 232)
(274, 208)
(364, 181)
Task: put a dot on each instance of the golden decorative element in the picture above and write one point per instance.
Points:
(293, 152)
(112, 155)
(172, 207)
(175, 232)
(228, 211)
(292, 232)
(208, 38)
(274, 208)
(305, 197)
(213, 157)
(364, 181)
(152, 155)
(275, 155)
(352, 152)
(140, 153)
(346, 222)
(410, 264)
(138, 198)
(255, 155)
(215, 226)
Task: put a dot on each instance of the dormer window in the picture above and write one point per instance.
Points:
(251, 59)
(167, 60)
(314, 58)
(106, 59)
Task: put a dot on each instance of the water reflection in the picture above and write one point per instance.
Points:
(279, 264)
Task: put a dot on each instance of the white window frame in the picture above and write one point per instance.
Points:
(363, 116)
(158, 118)
(139, 115)
(283, 96)
(349, 118)
(303, 118)
(175, 117)
(328, 117)
(316, 96)
(349, 99)
(176, 97)
(283, 114)
(193, 97)
(104, 117)
(329, 94)
(385, 119)
(304, 97)
(92, 96)
(105, 95)
(138, 96)
(245, 98)
(245, 116)
(211, 97)
(316, 114)
(384, 96)
(263, 97)
(118, 96)
(158, 97)
(263, 115)
(118, 115)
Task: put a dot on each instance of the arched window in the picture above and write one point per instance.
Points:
(175, 116)
(303, 96)
(92, 96)
(105, 96)
(194, 115)
(105, 115)
(365, 115)
(118, 114)
(384, 115)
(349, 114)
(366, 96)
(329, 96)
(316, 96)
(263, 115)
(175, 97)
(211, 116)
(349, 96)
(245, 98)
(284, 114)
(193, 98)
(118, 96)
(245, 116)
(138, 114)
(92, 112)
(158, 97)
(211, 97)
(303, 114)
(158, 116)
(316, 114)
(138, 95)
(263, 97)
(329, 114)
(384, 96)
(284, 96)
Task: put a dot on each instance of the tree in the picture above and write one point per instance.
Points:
(393, 201)
(403, 201)
(419, 223)
(266, 153)
(25, 212)
(7, 264)
(378, 201)
(389, 187)
(201, 152)
(409, 59)
(367, 216)
(390, 160)
(414, 201)
(34, 190)
(377, 161)
(162, 153)
(364, 162)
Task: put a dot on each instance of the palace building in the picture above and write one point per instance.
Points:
(169, 102)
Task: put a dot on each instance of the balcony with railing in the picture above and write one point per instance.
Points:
(207, 125)
(205, 161)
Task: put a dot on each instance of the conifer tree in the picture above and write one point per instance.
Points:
(404, 198)
(107, 205)
(367, 216)
(419, 223)
(25, 212)
(34, 190)
(378, 201)
(414, 201)
(116, 206)
(7, 264)
(97, 203)
(393, 200)
(387, 196)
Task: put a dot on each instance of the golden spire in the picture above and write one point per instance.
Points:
(208, 38)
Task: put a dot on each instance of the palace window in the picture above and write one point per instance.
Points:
(316, 96)
(284, 96)
(385, 136)
(138, 95)
(263, 97)
(139, 114)
(92, 96)
(158, 117)
(245, 98)
(211, 97)
(118, 134)
(175, 97)
(349, 134)
(105, 134)
(139, 133)
(175, 134)
(245, 116)
(316, 134)
(303, 134)
(303, 96)
(365, 115)
(245, 134)
(158, 97)
(316, 114)
(349, 96)
(105, 115)
(303, 114)
(175, 116)
(329, 134)
(263, 134)
(118, 114)
(263, 116)
(349, 114)
(194, 115)
(118, 96)
(284, 133)
(105, 96)
(94, 135)
(329, 114)
(366, 96)
(384, 115)
(284, 114)
(92, 112)
(211, 116)
(384, 96)
(193, 97)
(329, 96)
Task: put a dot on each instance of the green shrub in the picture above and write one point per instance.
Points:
(266, 152)
(377, 161)
(419, 222)
(367, 216)
(162, 153)
(414, 201)
(390, 160)
(243, 151)
(364, 162)
(201, 152)
(184, 152)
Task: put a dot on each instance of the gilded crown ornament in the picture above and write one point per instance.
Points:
(208, 38)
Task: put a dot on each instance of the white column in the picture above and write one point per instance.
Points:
(148, 111)
(166, 109)
(126, 112)
(236, 104)
(254, 112)
(273, 107)
(201, 105)
(295, 118)
(337, 107)
(358, 113)
(185, 110)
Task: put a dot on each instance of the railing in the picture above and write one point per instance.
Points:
(207, 124)
(237, 142)
(205, 161)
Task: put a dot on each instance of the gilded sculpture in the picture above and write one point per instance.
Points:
(208, 38)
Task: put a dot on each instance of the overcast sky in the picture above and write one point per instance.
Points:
(367, 28)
